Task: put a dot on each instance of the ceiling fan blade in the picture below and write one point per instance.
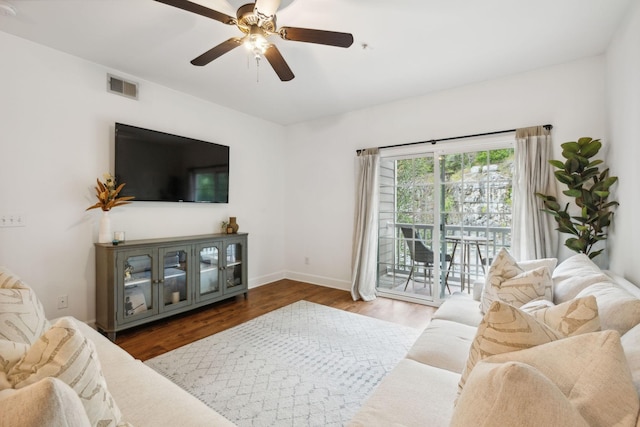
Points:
(200, 10)
(217, 51)
(266, 9)
(307, 35)
(278, 63)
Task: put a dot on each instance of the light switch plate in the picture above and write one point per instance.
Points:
(12, 220)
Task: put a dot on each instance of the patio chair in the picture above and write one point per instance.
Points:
(420, 255)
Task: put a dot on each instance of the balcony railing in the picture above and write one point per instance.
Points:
(491, 239)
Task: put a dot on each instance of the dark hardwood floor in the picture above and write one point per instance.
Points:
(156, 338)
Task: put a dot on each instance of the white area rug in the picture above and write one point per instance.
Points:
(301, 365)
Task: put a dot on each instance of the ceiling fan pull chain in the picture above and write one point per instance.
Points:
(257, 68)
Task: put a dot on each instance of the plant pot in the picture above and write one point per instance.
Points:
(104, 230)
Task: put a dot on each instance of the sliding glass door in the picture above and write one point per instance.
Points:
(407, 255)
(443, 216)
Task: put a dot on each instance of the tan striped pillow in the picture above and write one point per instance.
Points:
(516, 284)
(22, 317)
(8, 280)
(63, 353)
(525, 287)
(10, 353)
(575, 317)
(504, 329)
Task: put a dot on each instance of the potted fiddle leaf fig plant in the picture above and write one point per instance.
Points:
(590, 189)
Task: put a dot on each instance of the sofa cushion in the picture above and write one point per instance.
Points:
(56, 403)
(509, 281)
(532, 264)
(505, 329)
(513, 394)
(22, 317)
(618, 309)
(591, 371)
(461, 308)
(137, 389)
(64, 353)
(573, 275)
(631, 345)
(578, 316)
(443, 344)
(413, 394)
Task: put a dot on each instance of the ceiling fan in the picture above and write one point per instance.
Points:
(258, 21)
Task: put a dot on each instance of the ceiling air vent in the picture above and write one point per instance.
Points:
(122, 87)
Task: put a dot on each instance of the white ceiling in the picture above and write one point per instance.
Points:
(402, 48)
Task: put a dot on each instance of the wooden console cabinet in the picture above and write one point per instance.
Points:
(145, 280)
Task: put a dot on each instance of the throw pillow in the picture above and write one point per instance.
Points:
(578, 316)
(63, 353)
(513, 394)
(505, 329)
(618, 309)
(46, 403)
(550, 263)
(8, 280)
(504, 266)
(591, 371)
(10, 353)
(573, 275)
(525, 287)
(22, 317)
(509, 281)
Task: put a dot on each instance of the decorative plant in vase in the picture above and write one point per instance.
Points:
(107, 194)
(108, 198)
(590, 189)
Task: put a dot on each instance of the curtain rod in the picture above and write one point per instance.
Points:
(434, 141)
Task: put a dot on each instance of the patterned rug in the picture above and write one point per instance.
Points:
(301, 365)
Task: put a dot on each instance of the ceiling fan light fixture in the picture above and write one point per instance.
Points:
(6, 9)
(257, 21)
(255, 41)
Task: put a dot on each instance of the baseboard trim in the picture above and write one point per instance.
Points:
(256, 282)
(319, 280)
(328, 282)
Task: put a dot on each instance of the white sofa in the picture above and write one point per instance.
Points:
(423, 388)
(142, 396)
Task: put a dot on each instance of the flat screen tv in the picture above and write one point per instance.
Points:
(160, 167)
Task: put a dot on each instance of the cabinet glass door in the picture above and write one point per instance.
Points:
(136, 290)
(174, 280)
(208, 272)
(233, 265)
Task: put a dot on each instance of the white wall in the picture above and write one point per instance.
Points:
(293, 192)
(56, 137)
(320, 170)
(623, 97)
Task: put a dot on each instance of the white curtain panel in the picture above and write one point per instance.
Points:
(533, 234)
(365, 235)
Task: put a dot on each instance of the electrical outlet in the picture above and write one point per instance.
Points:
(63, 302)
(12, 220)
(306, 260)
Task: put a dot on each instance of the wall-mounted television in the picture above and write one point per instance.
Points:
(160, 167)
